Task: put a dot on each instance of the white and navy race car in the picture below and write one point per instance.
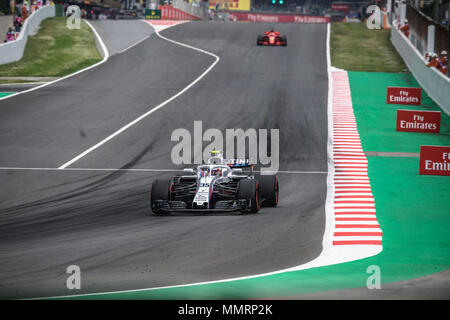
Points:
(219, 185)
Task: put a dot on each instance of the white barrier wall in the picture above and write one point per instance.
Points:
(13, 50)
(431, 80)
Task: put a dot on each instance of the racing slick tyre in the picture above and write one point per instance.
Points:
(160, 191)
(268, 190)
(259, 40)
(249, 189)
(284, 39)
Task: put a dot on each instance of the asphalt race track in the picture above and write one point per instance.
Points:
(119, 35)
(100, 220)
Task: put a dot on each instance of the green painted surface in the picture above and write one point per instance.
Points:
(377, 119)
(4, 94)
(413, 212)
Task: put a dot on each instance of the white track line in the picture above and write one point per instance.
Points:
(87, 169)
(136, 170)
(125, 127)
(105, 58)
(133, 45)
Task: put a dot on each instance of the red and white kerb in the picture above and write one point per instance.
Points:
(354, 206)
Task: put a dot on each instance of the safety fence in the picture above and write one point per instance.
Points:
(13, 50)
(436, 84)
(419, 23)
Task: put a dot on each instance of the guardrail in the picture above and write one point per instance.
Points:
(436, 84)
(13, 51)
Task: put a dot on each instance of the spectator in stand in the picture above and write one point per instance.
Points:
(443, 62)
(10, 35)
(33, 7)
(434, 61)
(24, 12)
(18, 23)
(405, 28)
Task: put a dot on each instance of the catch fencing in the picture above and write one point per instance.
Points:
(419, 23)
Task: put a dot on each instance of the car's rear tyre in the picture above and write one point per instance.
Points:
(268, 190)
(160, 191)
(249, 189)
(284, 38)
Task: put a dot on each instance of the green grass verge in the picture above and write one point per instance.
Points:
(355, 47)
(55, 51)
(2, 81)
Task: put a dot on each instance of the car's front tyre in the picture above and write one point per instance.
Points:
(248, 189)
(160, 191)
(259, 40)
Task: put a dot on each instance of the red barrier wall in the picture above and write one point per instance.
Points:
(268, 17)
(170, 13)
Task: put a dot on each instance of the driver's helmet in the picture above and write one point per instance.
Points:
(216, 171)
(204, 172)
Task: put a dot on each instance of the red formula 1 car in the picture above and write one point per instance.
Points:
(271, 38)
